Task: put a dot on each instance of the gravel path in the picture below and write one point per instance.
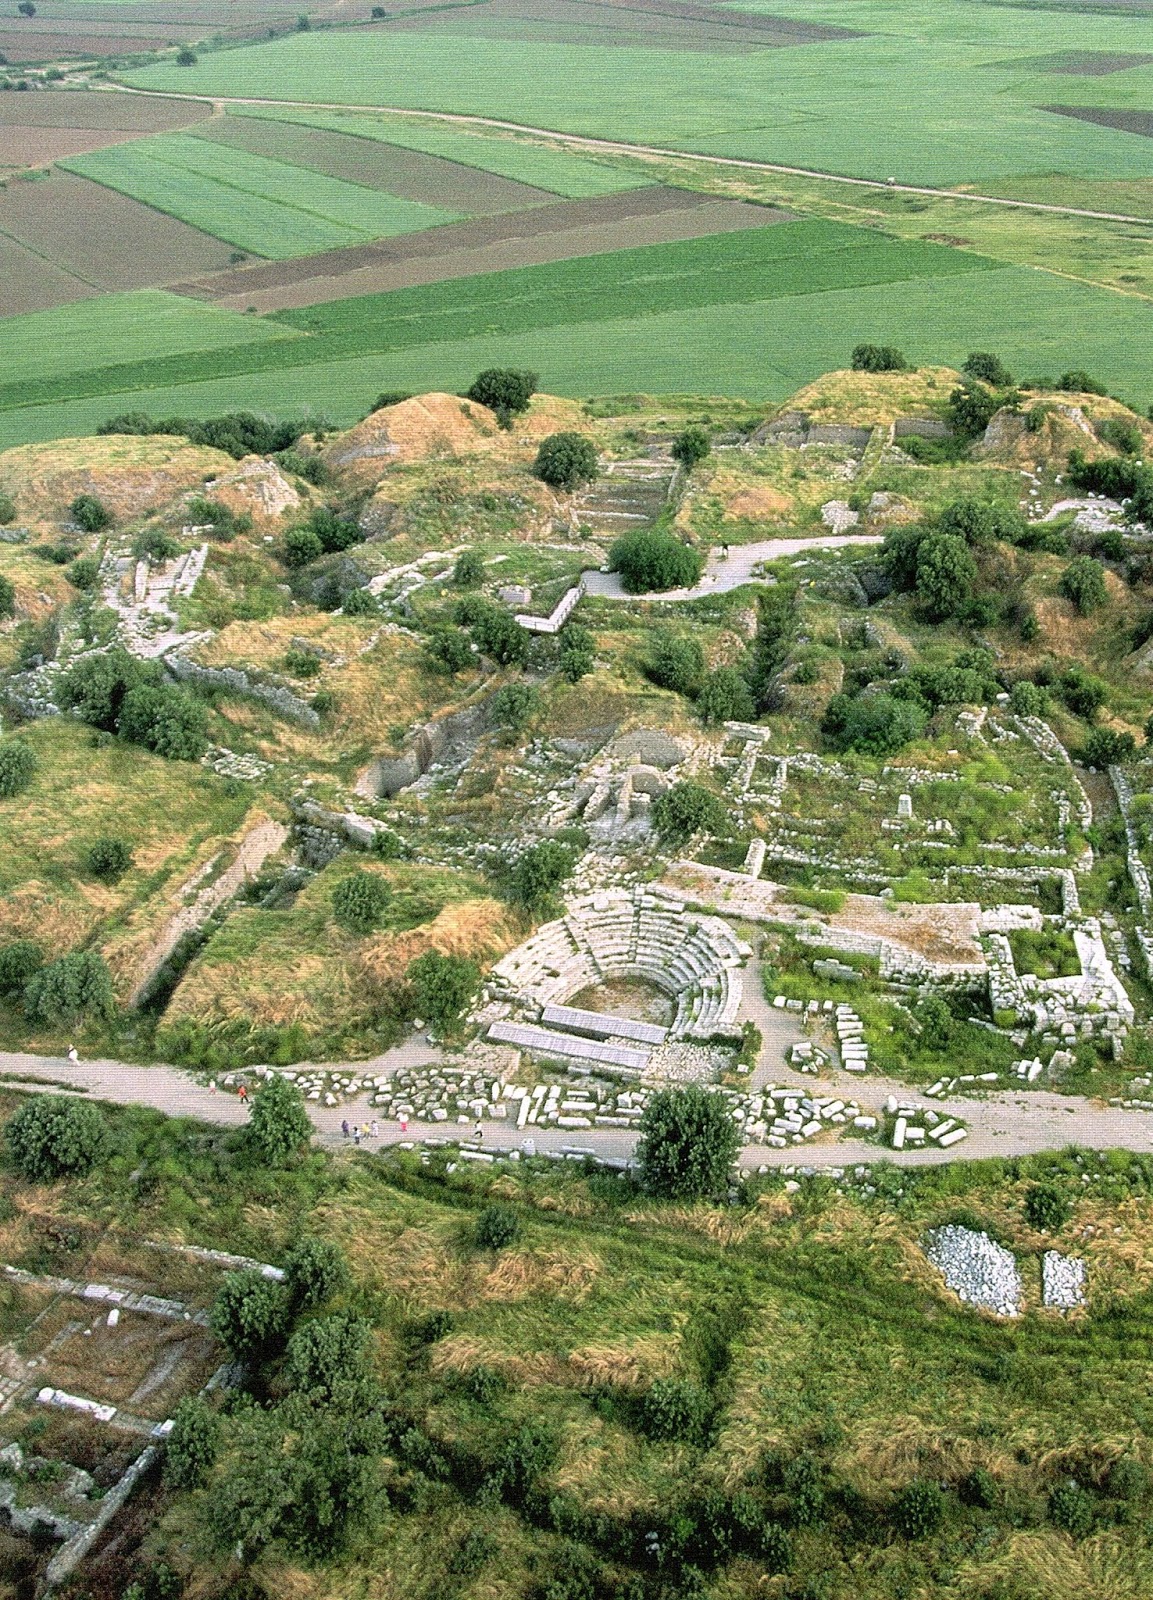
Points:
(1007, 1123)
(723, 573)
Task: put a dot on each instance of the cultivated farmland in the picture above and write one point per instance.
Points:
(268, 207)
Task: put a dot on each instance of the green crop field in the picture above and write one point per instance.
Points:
(638, 324)
(928, 100)
(562, 172)
(267, 207)
(146, 324)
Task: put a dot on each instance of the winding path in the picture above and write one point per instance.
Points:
(1009, 1122)
(724, 572)
(618, 147)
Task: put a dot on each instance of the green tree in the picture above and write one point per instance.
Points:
(53, 1136)
(1079, 382)
(300, 546)
(279, 1124)
(1106, 748)
(1028, 699)
(688, 808)
(1072, 1509)
(497, 634)
(315, 1272)
(7, 509)
(450, 650)
(155, 544)
(328, 1356)
(946, 574)
(193, 1444)
(83, 573)
(78, 984)
(577, 656)
(566, 460)
(691, 447)
(7, 596)
(674, 1408)
(514, 705)
(973, 406)
(185, 57)
(95, 686)
(250, 1316)
(166, 720)
(361, 603)
(90, 514)
(505, 390)
(108, 858)
(725, 697)
(1047, 1207)
(979, 521)
(360, 901)
(497, 1227)
(875, 724)
(538, 872)
(443, 987)
(687, 1145)
(987, 368)
(18, 763)
(938, 1025)
(675, 661)
(877, 358)
(919, 1509)
(1082, 692)
(1083, 582)
(652, 561)
(468, 572)
(776, 631)
(18, 961)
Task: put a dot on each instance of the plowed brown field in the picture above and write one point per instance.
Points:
(116, 243)
(29, 283)
(407, 173)
(490, 244)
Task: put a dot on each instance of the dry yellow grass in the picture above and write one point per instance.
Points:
(130, 475)
(866, 399)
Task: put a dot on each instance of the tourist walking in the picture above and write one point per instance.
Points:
(480, 1133)
(344, 1128)
(243, 1093)
(356, 1136)
(375, 1128)
(403, 1120)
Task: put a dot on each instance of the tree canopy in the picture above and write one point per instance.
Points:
(279, 1124)
(53, 1136)
(566, 460)
(652, 561)
(688, 808)
(360, 901)
(687, 1145)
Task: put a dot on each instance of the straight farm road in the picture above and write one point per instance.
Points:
(1004, 1123)
(619, 147)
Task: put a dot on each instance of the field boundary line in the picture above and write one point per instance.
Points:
(622, 148)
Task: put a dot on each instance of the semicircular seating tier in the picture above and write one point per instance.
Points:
(694, 958)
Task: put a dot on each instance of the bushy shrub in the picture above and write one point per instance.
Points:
(315, 1272)
(1071, 1509)
(1122, 435)
(18, 961)
(676, 662)
(724, 697)
(946, 574)
(361, 603)
(1028, 699)
(154, 544)
(688, 808)
(329, 1355)
(76, 985)
(505, 390)
(302, 663)
(108, 858)
(18, 763)
(468, 570)
(566, 460)
(52, 1136)
(875, 724)
(1106, 748)
(300, 546)
(1047, 1207)
(1078, 381)
(7, 509)
(514, 705)
(1083, 582)
(450, 650)
(166, 720)
(497, 1227)
(687, 1145)
(691, 447)
(1082, 692)
(979, 1489)
(674, 1408)
(250, 1315)
(877, 358)
(979, 521)
(652, 561)
(443, 986)
(918, 1509)
(538, 872)
(988, 368)
(83, 573)
(7, 596)
(89, 513)
(193, 1444)
(335, 532)
(360, 901)
(495, 632)
(279, 1123)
